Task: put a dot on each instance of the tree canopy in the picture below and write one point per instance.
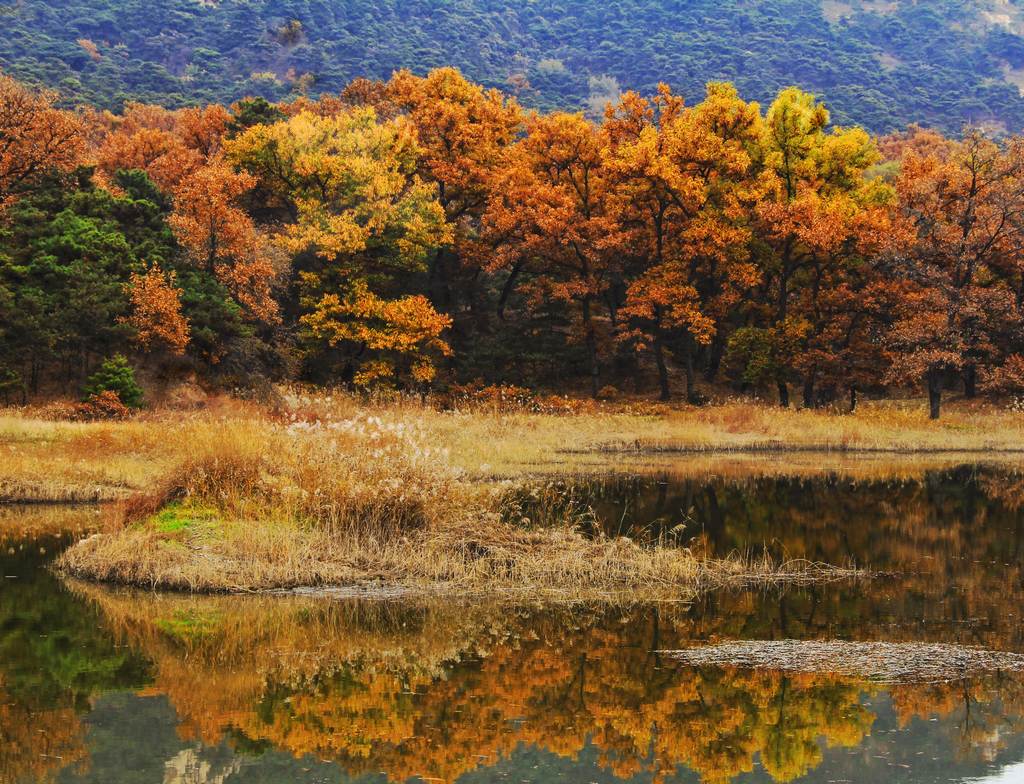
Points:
(429, 233)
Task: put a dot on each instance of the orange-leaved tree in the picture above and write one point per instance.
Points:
(463, 130)
(156, 311)
(35, 137)
(548, 221)
(683, 185)
(221, 238)
(167, 145)
(965, 201)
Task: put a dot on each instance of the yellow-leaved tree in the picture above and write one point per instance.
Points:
(360, 225)
(823, 218)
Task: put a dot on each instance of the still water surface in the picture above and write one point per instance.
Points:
(117, 686)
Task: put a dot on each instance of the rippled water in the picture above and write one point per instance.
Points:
(98, 685)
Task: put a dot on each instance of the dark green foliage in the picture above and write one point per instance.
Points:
(758, 356)
(939, 62)
(115, 375)
(525, 346)
(65, 254)
(253, 111)
(67, 251)
(139, 187)
(214, 318)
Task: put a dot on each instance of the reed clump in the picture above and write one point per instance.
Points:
(260, 503)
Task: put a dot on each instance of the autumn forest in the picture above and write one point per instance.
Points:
(511, 389)
(426, 234)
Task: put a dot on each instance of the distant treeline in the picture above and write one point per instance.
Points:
(425, 232)
(881, 65)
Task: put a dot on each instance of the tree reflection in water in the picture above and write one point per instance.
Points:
(439, 688)
(435, 690)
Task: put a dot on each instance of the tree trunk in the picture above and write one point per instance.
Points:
(715, 352)
(691, 391)
(508, 288)
(595, 372)
(809, 401)
(437, 274)
(627, 368)
(934, 393)
(853, 399)
(783, 394)
(659, 359)
(971, 382)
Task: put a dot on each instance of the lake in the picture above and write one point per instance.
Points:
(118, 686)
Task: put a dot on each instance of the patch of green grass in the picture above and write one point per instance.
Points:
(178, 518)
(190, 625)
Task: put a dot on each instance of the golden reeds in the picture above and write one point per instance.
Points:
(262, 503)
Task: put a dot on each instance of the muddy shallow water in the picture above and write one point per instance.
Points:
(112, 686)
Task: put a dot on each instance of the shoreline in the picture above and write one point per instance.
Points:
(89, 495)
(787, 449)
(335, 493)
(710, 575)
(604, 461)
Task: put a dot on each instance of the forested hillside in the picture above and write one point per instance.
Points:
(883, 65)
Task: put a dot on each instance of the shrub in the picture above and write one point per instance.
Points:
(102, 405)
(57, 411)
(506, 398)
(117, 376)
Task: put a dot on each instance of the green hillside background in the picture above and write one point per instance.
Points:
(879, 64)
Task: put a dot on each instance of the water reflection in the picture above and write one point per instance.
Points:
(55, 654)
(98, 685)
(955, 538)
(437, 691)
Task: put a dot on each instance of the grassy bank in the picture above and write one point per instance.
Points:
(257, 503)
(43, 460)
(323, 491)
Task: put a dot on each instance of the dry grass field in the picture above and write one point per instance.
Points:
(42, 460)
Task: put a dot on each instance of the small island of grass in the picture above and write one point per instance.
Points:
(259, 504)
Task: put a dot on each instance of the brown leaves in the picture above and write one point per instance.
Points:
(206, 220)
(167, 145)
(34, 137)
(462, 129)
(964, 201)
(221, 237)
(681, 186)
(665, 297)
(156, 312)
(1007, 378)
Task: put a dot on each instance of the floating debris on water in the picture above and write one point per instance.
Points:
(883, 662)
